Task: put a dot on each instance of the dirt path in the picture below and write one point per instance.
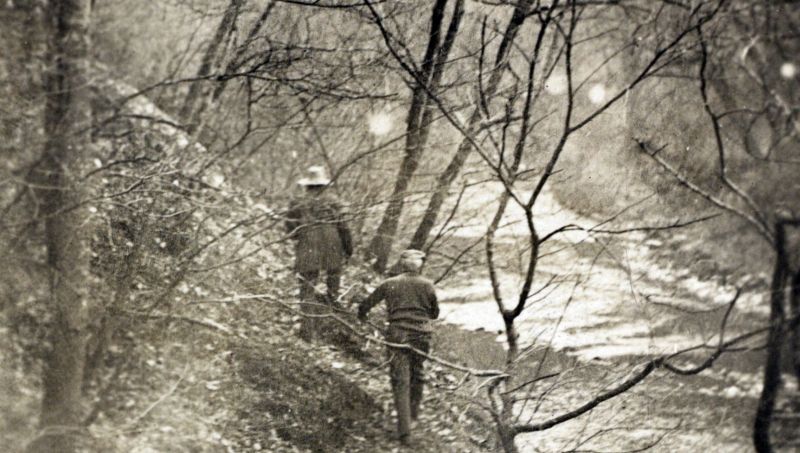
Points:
(312, 396)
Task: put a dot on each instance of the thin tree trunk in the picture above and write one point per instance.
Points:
(442, 55)
(794, 326)
(233, 65)
(236, 60)
(67, 120)
(196, 88)
(772, 378)
(446, 178)
(381, 244)
(507, 442)
(505, 417)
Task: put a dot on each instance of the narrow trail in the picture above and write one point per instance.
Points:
(609, 297)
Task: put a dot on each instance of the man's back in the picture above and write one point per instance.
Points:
(410, 299)
(411, 304)
(318, 229)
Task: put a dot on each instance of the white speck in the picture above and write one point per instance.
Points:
(98, 163)
(733, 392)
(92, 209)
(380, 123)
(214, 180)
(788, 70)
(556, 84)
(597, 94)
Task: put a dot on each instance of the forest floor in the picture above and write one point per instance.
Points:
(248, 384)
(234, 376)
(242, 380)
(204, 391)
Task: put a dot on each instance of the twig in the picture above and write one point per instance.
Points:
(161, 399)
(209, 323)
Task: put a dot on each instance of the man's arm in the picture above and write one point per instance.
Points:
(365, 306)
(344, 231)
(434, 304)
(293, 217)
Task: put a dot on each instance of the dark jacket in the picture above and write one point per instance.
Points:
(410, 299)
(322, 239)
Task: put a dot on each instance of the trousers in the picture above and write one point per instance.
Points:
(333, 279)
(406, 374)
(310, 327)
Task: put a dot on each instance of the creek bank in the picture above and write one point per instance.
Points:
(711, 411)
(313, 396)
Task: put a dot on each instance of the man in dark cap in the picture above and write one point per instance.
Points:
(323, 242)
(411, 306)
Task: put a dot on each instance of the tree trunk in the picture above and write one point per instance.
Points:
(416, 134)
(233, 66)
(772, 377)
(446, 178)
(794, 326)
(67, 120)
(506, 437)
(196, 88)
(505, 426)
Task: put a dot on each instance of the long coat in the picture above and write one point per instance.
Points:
(323, 241)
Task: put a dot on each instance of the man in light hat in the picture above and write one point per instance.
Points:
(323, 242)
(411, 306)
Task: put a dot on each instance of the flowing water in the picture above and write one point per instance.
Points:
(610, 299)
(608, 296)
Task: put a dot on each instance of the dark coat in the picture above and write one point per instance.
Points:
(322, 239)
(411, 302)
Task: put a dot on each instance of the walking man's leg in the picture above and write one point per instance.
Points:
(400, 373)
(333, 281)
(307, 325)
(307, 280)
(417, 382)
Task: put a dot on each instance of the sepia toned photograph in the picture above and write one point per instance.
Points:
(379, 226)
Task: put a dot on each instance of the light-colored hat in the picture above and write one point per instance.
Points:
(411, 259)
(315, 176)
(412, 254)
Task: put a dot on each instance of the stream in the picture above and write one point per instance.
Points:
(613, 303)
(610, 300)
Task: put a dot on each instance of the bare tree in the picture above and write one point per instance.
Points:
(760, 103)
(67, 122)
(428, 79)
(557, 25)
(210, 58)
(487, 91)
